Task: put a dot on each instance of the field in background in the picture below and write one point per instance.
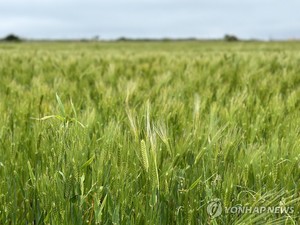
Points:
(148, 133)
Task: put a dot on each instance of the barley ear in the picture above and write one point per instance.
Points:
(144, 156)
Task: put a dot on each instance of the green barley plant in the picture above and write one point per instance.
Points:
(63, 117)
(154, 134)
(144, 154)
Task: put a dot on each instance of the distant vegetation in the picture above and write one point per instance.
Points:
(12, 38)
(226, 38)
(230, 38)
(123, 39)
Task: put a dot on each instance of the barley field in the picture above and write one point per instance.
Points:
(149, 132)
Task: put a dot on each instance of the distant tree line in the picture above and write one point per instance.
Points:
(230, 38)
(12, 38)
(227, 38)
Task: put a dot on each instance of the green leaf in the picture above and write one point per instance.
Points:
(87, 163)
(61, 106)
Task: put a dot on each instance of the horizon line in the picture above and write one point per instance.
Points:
(96, 38)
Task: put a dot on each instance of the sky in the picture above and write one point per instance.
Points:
(110, 19)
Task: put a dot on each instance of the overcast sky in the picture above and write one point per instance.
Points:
(265, 19)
